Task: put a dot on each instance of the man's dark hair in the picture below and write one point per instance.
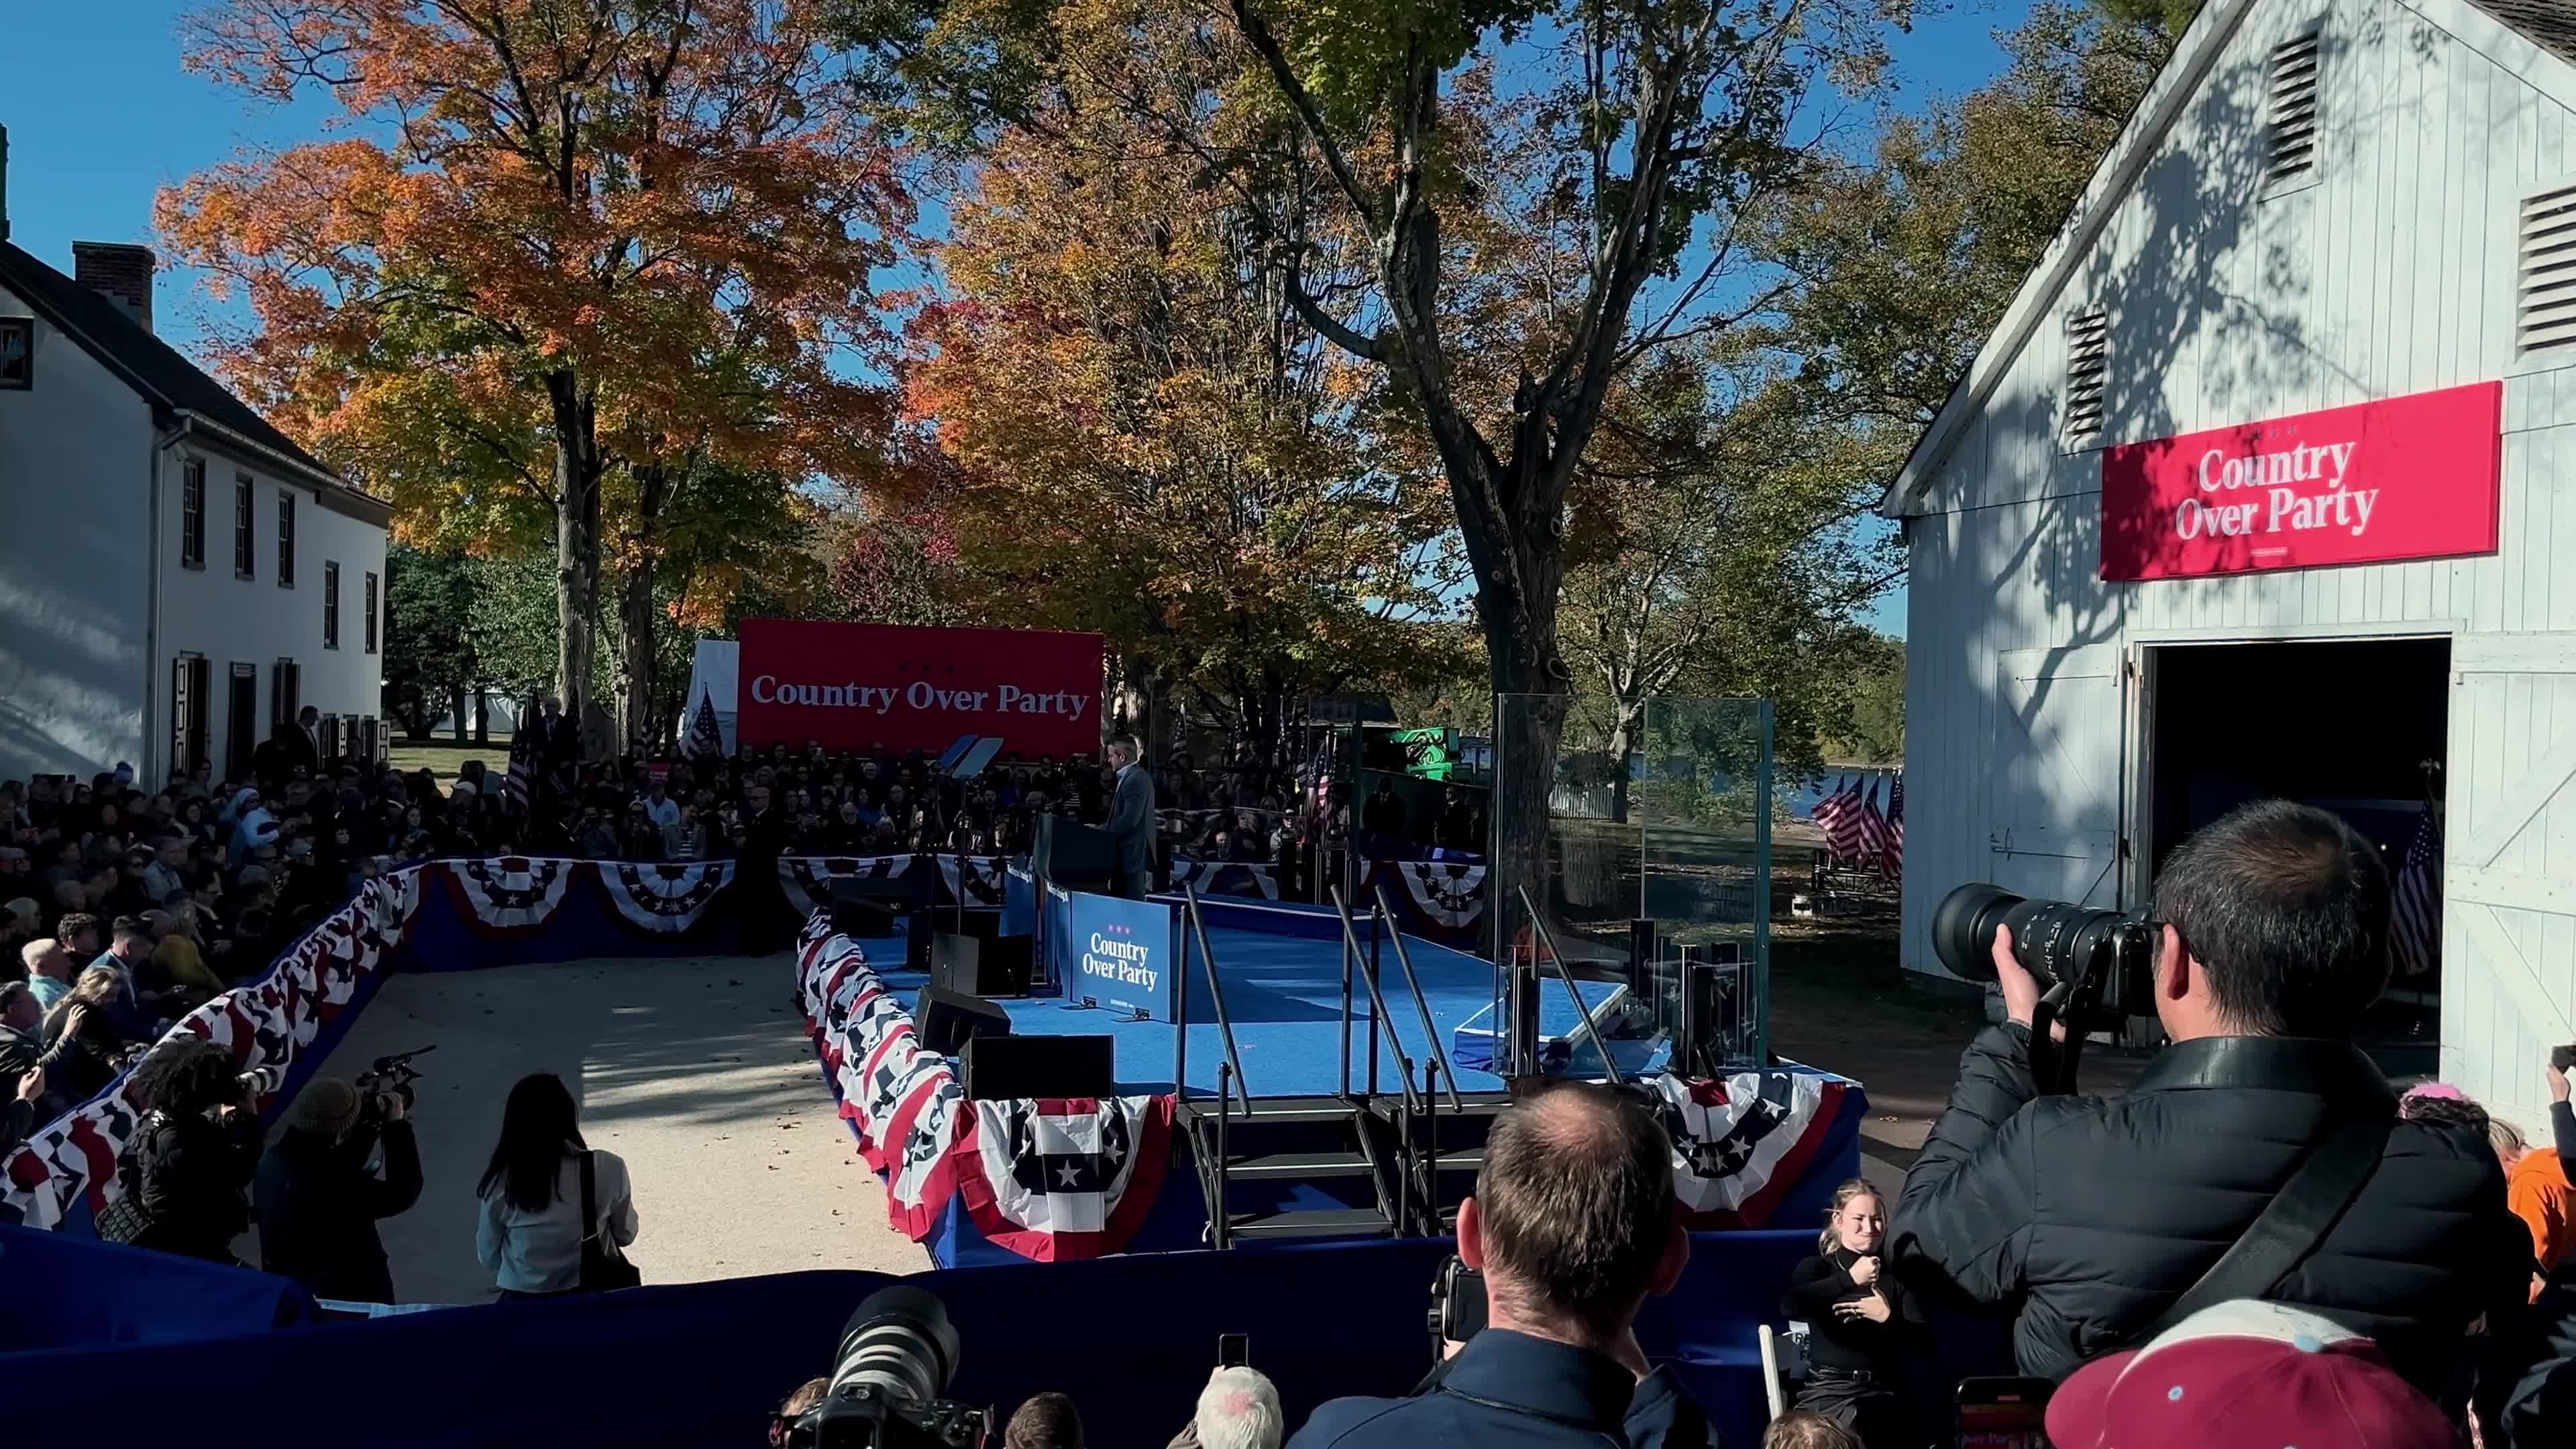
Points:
(1576, 1198)
(2286, 907)
(1043, 1421)
(130, 928)
(2456, 1112)
(73, 925)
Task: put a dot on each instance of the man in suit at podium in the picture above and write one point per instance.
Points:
(1131, 820)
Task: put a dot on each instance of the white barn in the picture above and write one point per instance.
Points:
(2333, 255)
(177, 577)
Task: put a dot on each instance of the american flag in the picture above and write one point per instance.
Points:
(1830, 811)
(523, 772)
(1873, 829)
(1893, 861)
(2415, 906)
(706, 736)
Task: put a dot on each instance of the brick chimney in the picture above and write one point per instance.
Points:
(119, 272)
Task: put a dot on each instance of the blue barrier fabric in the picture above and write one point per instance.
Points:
(58, 1290)
(697, 1365)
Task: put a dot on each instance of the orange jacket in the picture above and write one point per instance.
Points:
(2538, 1192)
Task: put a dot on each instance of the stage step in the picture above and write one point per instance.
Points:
(1334, 1223)
(1301, 1164)
(1459, 1159)
(1275, 1109)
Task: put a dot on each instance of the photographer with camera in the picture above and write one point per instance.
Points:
(186, 1172)
(2259, 1156)
(1573, 1227)
(318, 1198)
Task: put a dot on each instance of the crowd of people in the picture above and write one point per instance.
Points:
(2264, 1241)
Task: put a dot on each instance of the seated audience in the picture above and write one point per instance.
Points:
(1573, 1227)
(532, 1230)
(49, 970)
(1860, 1323)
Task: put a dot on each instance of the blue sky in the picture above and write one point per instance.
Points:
(101, 115)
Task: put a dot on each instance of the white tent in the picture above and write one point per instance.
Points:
(712, 676)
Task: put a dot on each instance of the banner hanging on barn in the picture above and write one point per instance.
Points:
(859, 686)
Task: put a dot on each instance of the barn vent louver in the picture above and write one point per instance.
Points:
(2290, 142)
(2545, 271)
(2088, 372)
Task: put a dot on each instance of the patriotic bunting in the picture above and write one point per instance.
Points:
(1741, 1143)
(807, 879)
(666, 898)
(1226, 877)
(1047, 1179)
(513, 895)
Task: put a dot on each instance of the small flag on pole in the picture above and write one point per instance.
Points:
(1893, 862)
(706, 735)
(523, 770)
(2415, 905)
(1873, 829)
(1846, 832)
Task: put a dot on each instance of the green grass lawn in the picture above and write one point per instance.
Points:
(443, 757)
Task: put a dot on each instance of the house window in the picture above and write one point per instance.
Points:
(192, 514)
(285, 539)
(285, 693)
(371, 613)
(2290, 140)
(17, 353)
(245, 562)
(330, 604)
(2088, 374)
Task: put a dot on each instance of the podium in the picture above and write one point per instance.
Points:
(1075, 856)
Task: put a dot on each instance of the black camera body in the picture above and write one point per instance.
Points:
(2563, 1058)
(2095, 968)
(1457, 1304)
(388, 1077)
(865, 1416)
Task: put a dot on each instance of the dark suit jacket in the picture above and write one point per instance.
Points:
(1131, 819)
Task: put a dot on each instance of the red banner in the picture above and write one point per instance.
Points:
(2410, 477)
(857, 686)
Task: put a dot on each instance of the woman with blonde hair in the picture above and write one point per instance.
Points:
(84, 1024)
(1860, 1322)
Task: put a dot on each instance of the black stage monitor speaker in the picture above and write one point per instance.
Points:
(1002, 1068)
(947, 1020)
(982, 965)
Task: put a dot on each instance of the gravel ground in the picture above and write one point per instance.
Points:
(694, 1070)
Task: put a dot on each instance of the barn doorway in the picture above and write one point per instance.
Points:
(2347, 725)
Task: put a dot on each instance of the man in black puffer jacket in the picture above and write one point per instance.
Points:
(2093, 1215)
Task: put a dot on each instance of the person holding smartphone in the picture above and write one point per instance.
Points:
(1860, 1322)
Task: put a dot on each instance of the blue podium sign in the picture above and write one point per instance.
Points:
(1123, 953)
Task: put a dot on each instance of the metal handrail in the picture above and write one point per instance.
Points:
(1377, 1000)
(1220, 1216)
(1421, 1003)
(1547, 939)
(1216, 994)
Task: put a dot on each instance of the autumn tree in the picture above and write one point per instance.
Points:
(1542, 196)
(566, 246)
(1144, 436)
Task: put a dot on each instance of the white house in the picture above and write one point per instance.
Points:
(176, 576)
(2266, 484)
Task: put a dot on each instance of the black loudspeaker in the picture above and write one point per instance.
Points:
(982, 965)
(971, 921)
(1004, 1068)
(946, 1020)
(869, 907)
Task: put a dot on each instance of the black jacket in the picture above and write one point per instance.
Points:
(2094, 1214)
(318, 1206)
(1837, 1342)
(1508, 1390)
(191, 1174)
(2526, 1393)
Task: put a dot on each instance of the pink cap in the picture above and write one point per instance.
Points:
(2246, 1375)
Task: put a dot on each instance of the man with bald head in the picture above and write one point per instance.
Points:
(1572, 1227)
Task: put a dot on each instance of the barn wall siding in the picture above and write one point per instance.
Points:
(2391, 272)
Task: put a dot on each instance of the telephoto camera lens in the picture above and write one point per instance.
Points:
(2053, 940)
(263, 1081)
(900, 1342)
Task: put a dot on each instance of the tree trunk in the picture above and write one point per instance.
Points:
(1623, 742)
(639, 558)
(576, 503)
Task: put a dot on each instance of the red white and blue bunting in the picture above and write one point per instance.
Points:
(1740, 1143)
(1048, 1180)
(264, 1023)
(665, 897)
(808, 879)
(1226, 877)
(514, 894)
